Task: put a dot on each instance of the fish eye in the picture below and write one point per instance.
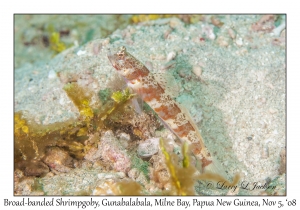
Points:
(121, 53)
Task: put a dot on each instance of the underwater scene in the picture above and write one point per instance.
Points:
(150, 104)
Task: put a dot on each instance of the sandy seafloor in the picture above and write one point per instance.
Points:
(231, 78)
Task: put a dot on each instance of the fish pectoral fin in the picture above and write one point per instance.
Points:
(137, 104)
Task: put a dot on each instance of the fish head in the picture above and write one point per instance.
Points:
(127, 65)
(117, 59)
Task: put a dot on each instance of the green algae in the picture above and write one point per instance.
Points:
(81, 99)
(182, 178)
(55, 43)
(105, 95)
(32, 145)
(122, 96)
(141, 165)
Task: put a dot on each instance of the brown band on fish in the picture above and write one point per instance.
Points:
(184, 130)
(167, 112)
(136, 74)
(196, 148)
(205, 162)
(150, 93)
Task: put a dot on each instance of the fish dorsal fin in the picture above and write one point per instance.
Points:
(168, 83)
